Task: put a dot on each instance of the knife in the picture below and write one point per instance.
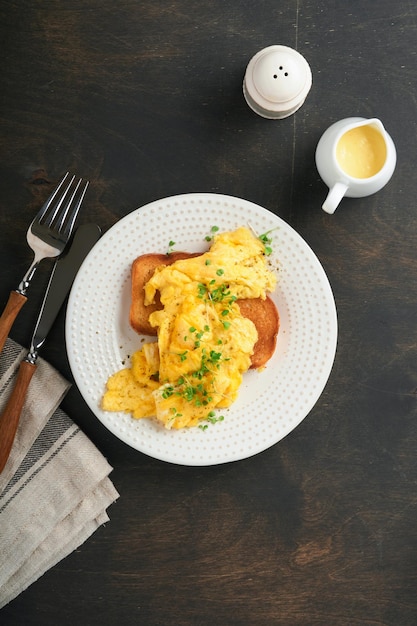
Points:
(60, 282)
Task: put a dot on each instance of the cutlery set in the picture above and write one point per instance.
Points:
(50, 235)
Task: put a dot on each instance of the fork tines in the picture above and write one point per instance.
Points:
(61, 209)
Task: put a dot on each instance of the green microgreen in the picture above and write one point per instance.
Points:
(171, 244)
(220, 293)
(212, 419)
(167, 392)
(215, 356)
(213, 230)
(198, 335)
(266, 239)
(201, 290)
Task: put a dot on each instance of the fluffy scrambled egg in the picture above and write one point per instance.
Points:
(204, 343)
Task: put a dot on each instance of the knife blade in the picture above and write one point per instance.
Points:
(60, 282)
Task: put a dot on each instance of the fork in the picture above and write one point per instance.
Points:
(47, 236)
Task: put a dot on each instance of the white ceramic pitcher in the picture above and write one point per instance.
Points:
(355, 157)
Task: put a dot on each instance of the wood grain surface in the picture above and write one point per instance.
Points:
(145, 99)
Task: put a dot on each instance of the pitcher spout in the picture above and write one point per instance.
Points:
(376, 123)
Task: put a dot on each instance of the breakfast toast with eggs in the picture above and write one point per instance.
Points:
(262, 313)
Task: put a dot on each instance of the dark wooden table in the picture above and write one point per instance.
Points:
(145, 99)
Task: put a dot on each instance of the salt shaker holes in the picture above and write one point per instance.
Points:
(276, 82)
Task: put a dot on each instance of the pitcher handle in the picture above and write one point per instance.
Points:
(334, 197)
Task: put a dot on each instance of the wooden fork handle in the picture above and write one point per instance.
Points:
(14, 304)
(9, 419)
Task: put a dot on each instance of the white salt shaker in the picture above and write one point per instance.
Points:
(277, 81)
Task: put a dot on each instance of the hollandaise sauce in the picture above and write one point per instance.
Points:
(361, 152)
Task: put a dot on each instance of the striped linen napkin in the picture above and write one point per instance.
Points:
(54, 489)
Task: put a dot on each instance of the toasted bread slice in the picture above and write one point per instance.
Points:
(262, 313)
(142, 270)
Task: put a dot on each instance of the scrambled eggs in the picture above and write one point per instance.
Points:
(204, 343)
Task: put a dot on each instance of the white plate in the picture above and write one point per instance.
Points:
(271, 403)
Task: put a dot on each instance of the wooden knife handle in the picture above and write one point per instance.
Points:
(14, 304)
(9, 419)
